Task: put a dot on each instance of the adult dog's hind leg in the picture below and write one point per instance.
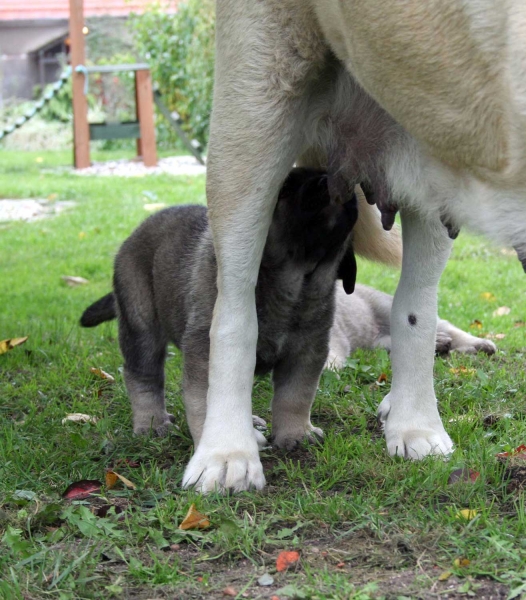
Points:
(409, 412)
(260, 102)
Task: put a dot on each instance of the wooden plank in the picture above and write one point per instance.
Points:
(80, 103)
(145, 116)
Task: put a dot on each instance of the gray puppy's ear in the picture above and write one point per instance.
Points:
(347, 270)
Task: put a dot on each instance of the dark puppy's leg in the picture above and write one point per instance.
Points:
(143, 347)
(296, 380)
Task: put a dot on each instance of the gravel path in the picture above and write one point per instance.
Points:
(173, 165)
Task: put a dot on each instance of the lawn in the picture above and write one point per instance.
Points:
(365, 525)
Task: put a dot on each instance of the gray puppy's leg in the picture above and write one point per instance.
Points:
(144, 348)
(295, 384)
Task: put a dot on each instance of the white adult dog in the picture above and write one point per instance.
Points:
(421, 101)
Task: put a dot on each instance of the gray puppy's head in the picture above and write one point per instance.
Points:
(312, 228)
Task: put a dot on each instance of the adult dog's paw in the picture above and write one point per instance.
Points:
(413, 436)
(221, 466)
(290, 438)
(160, 424)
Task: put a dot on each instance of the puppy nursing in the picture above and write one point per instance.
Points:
(165, 290)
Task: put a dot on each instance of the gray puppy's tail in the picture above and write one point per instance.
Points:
(100, 311)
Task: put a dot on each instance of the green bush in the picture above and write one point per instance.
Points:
(180, 51)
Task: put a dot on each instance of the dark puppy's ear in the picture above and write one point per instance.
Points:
(347, 270)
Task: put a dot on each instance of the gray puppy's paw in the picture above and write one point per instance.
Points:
(290, 439)
(160, 425)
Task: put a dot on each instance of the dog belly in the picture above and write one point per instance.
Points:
(444, 70)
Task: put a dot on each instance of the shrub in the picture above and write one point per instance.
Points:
(180, 51)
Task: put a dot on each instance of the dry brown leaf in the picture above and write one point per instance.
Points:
(129, 484)
(501, 311)
(111, 479)
(445, 576)
(79, 418)
(73, 281)
(476, 324)
(82, 489)
(229, 591)
(102, 374)
(382, 378)
(194, 520)
(6, 345)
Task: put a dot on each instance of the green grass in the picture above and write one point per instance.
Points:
(367, 526)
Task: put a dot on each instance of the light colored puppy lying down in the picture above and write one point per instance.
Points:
(362, 320)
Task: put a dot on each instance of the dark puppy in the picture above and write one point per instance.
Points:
(165, 290)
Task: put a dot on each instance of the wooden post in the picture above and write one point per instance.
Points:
(80, 103)
(144, 96)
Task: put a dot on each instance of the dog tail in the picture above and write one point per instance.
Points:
(371, 240)
(100, 311)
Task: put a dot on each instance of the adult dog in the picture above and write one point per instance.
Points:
(421, 101)
(165, 290)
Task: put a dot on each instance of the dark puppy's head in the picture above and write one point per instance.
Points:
(313, 226)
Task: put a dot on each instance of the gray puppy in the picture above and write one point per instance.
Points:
(363, 320)
(165, 290)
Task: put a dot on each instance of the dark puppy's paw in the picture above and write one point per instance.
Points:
(290, 440)
(159, 426)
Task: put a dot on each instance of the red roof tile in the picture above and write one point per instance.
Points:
(59, 9)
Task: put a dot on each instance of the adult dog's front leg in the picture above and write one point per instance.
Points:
(261, 86)
(412, 425)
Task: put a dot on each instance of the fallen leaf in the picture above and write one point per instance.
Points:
(154, 206)
(229, 591)
(82, 235)
(461, 562)
(340, 565)
(82, 489)
(111, 480)
(501, 311)
(467, 514)
(495, 336)
(194, 520)
(265, 580)
(52, 197)
(487, 296)
(78, 418)
(519, 452)
(519, 324)
(286, 559)
(382, 378)
(175, 547)
(6, 345)
(73, 281)
(102, 374)
(476, 324)
(463, 475)
(466, 370)
(445, 576)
